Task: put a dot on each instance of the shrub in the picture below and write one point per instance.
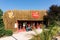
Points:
(2, 32)
(8, 32)
(48, 34)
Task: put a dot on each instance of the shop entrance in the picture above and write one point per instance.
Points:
(29, 25)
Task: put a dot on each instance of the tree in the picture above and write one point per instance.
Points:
(1, 19)
(54, 14)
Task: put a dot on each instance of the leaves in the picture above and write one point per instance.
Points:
(1, 19)
(53, 14)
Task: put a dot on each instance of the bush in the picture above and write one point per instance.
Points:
(8, 32)
(48, 34)
(2, 32)
(36, 37)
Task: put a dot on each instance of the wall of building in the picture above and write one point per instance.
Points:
(11, 16)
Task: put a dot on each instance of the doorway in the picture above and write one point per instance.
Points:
(28, 25)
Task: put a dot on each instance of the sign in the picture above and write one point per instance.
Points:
(35, 14)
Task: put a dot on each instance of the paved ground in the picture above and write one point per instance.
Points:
(22, 35)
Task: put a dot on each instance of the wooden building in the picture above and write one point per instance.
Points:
(11, 16)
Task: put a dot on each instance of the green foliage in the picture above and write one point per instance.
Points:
(1, 19)
(53, 14)
(8, 32)
(47, 34)
(1, 12)
(2, 32)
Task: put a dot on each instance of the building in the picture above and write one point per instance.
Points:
(22, 18)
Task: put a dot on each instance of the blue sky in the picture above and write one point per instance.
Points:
(27, 4)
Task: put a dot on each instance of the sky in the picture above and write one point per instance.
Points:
(27, 4)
